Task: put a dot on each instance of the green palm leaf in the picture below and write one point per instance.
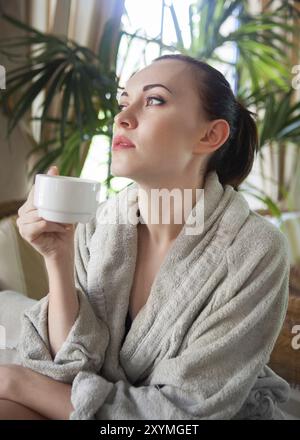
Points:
(26, 100)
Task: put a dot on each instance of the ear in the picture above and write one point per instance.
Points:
(216, 133)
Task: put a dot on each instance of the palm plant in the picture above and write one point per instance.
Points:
(71, 72)
(260, 45)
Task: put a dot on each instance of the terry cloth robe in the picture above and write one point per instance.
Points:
(198, 348)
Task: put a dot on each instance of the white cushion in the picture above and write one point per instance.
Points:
(22, 268)
(11, 270)
(12, 306)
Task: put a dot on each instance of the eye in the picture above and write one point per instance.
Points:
(162, 101)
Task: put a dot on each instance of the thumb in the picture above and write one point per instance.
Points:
(53, 171)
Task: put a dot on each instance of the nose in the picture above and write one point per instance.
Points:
(125, 119)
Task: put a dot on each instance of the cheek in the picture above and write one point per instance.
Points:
(162, 133)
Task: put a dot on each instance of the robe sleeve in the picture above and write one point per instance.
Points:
(221, 373)
(85, 346)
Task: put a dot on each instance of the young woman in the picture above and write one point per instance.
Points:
(160, 321)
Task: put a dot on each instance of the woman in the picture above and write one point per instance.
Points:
(161, 322)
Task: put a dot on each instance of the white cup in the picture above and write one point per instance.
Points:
(65, 199)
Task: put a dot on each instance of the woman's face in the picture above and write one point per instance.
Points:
(164, 125)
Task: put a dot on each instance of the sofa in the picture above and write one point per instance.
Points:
(23, 281)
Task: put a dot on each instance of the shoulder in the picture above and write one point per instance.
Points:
(258, 239)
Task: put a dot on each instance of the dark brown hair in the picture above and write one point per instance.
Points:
(232, 161)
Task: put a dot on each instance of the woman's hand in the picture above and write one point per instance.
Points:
(52, 240)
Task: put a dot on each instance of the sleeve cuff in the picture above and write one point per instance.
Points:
(268, 392)
(89, 392)
(83, 349)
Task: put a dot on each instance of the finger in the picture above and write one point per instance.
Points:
(33, 217)
(32, 231)
(68, 226)
(28, 205)
(53, 171)
(29, 217)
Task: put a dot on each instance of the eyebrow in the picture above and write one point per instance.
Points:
(147, 87)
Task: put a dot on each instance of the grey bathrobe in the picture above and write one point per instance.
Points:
(198, 348)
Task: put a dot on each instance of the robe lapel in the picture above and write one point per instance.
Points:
(113, 254)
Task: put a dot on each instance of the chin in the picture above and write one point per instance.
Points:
(118, 172)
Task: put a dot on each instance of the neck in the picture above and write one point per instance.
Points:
(164, 211)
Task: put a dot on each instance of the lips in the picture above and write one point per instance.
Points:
(122, 142)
